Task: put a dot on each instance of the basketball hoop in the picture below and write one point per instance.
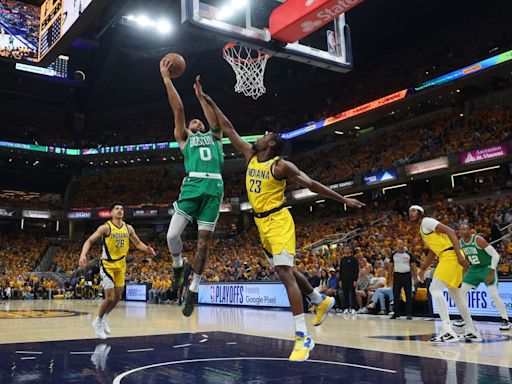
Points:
(249, 66)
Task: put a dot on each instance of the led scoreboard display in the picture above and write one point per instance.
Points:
(57, 17)
(40, 33)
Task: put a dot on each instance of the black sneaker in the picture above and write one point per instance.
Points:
(188, 304)
(409, 317)
(505, 325)
(394, 316)
(177, 278)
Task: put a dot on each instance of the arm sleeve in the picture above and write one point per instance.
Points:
(428, 225)
(495, 256)
(412, 260)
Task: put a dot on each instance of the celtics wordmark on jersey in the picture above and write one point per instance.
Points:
(202, 190)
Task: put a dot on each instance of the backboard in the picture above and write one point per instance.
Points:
(324, 37)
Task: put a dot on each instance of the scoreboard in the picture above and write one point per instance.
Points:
(41, 33)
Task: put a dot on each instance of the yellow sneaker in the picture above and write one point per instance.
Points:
(303, 344)
(323, 309)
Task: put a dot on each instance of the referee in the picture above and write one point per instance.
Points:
(403, 264)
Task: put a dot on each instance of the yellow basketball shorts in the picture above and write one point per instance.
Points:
(449, 270)
(277, 233)
(113, 273)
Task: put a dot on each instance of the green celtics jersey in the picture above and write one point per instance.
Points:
(476, 255)
(203, 153)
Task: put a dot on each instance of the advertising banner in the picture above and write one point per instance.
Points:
(379, 177)
(79, 214)
(103, 213)
(249, 294)
(135, 292)
(6, 212)
(480, 302)
(145, 212)
(427, 166)
(33, 214)
(482, 154)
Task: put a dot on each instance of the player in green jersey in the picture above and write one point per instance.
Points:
(484, 260)
(202, 190)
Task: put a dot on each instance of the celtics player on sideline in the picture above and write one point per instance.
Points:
(202, 190)
(266, 178)
(443, 242)
(484, 260)
(116, 236)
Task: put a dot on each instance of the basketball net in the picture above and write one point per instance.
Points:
(249, 66)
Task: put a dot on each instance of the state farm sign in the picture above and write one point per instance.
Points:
(296, 19)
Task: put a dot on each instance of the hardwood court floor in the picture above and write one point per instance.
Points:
(221, 339)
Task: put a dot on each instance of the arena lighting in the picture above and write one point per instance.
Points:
(473, 171)
(339, 132)
(393, 187)
(228, 10)
(162, 26)
(320, 201)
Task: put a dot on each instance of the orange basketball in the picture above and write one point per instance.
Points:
(178, 64)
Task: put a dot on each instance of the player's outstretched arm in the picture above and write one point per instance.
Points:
(286, 170)
(138, 243)
(452, 235)
(228, 130)
(491, 251)
(103, 230)
(208, 111)
(180, 130)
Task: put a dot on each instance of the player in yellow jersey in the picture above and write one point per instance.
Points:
(116, 236)
(266, 178)
(443, 243)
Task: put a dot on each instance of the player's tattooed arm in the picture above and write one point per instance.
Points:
(286, 170)
(180, 130)
(228, 130)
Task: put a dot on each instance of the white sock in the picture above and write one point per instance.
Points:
(300, 324)
(177, 261)
(315, 297)
(194, 285)
(493, 291)
(462, 306)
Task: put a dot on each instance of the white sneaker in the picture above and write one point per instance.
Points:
(505, 325)
(106, 327)
(97, 324)
(459, 323)
(352, 311)
(345, 312)
(472, 336)
(445, 337)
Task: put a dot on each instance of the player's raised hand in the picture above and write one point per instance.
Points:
(198, 88)
(354, 203)
(165, 68)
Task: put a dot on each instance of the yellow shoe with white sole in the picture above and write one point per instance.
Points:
(303, 345)
(322, 310)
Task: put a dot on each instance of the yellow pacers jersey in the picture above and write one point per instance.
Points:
(117, 243)
(265, 192)
(437, 242)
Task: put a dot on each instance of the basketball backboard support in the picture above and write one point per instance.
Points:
(248, 24)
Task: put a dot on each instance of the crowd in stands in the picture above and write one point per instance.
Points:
(19, 255)
(23, 20)
(442, 137)
(370, 237)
